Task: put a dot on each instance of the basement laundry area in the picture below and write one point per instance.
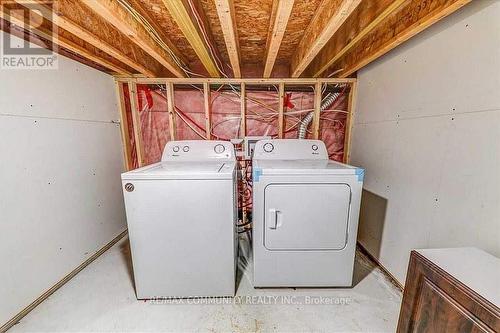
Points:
(372, 305)
(250, 166)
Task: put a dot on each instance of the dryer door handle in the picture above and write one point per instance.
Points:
(274, 218)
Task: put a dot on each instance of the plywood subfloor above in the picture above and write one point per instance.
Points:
(302, 13)
(252, 19)
(159, 12)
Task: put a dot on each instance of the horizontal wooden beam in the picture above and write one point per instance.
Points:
(121, 19)
(36, 23)
(362, 21)
(75, 18)
(248, 82)
(225, 11)
(279, 20)
(181, 12)
(328, 18)
(396, 29)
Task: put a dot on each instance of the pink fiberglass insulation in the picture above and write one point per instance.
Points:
(152, 105)
(226, 113)
(332, 127)
(297, 105)
(190, 118)
(261, 117)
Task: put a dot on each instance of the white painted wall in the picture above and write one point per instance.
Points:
(427, 130)
(60, 188)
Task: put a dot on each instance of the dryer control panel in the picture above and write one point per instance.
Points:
(290, 149)
(198, 150)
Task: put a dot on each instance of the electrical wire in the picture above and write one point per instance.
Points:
(211, 47)
(156, 37)
(270, 115)
(190, 126)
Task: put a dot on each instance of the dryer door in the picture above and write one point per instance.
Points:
(306, 216)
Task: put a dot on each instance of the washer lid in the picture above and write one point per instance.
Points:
(274, 167)
(183, 170)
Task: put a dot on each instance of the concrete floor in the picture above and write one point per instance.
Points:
(102, 298)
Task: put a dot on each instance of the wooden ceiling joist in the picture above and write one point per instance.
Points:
(181, 11)
(329, 16)
(136, 4)
(279, 20)
(43, 28)
(74, 17)
(411, 19)
(362, 21)
(115, 14)
(225, 11)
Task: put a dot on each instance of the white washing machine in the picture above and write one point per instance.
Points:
(305, 215)
(181, 215)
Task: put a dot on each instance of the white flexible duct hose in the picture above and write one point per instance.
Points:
(304, 123)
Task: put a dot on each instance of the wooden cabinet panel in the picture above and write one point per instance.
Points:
(434, 301)
(438, 312)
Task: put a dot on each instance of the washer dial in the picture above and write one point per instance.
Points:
(185, 149)
(314, 147)
(268, 147)
(176, 149)
(219, 149)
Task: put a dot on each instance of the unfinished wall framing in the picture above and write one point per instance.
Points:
(223, 109)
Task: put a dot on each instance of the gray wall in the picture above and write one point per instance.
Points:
(427, 130)
(60, 192)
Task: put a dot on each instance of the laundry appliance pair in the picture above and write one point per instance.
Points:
(182, 216)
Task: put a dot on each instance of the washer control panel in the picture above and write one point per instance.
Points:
(198, 150)
(290, 149)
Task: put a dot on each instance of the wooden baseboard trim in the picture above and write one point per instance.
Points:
(59, 284)
(391, 277)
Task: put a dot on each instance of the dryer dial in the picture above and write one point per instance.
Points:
(268, 147)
